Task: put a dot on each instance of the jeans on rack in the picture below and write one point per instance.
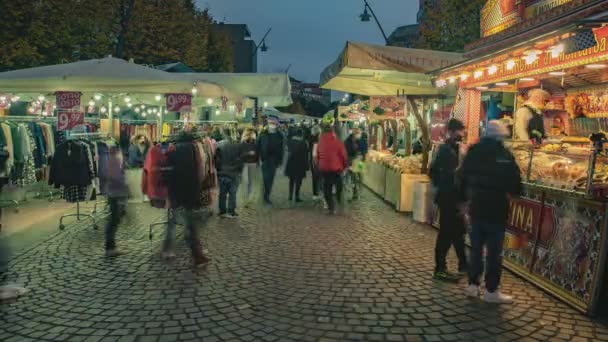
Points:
(191, 222)
(117, 210)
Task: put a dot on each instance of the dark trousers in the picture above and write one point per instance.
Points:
(295, 184)
(355, 178)
(316, 181)
(269, 169)
(492, 237)
(116, 212)
(451, 232)
(331, 180)
(228, 189)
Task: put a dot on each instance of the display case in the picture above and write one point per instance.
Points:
(570, 167)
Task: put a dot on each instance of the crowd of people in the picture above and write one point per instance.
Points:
(466, 186)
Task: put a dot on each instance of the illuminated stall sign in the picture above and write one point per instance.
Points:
(498, 15)
(538, 7)
(517, 67)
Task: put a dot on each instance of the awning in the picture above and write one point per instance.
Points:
(270, 89)
(107, 75)
(385, 70)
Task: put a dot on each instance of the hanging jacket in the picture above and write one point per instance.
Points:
(331, 153)
(184, 185)
(154, 178)
(70, 165)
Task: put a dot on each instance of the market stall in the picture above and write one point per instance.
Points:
(555, 68)
(400, 97)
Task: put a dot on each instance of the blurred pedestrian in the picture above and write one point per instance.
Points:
(137, 151)
(271, 151)
(490, 176)
(114, 185)
(332, 161)
(449, 199)
(251, 160)
(229, 163)
(355, 161)
(297, 164)
(317, 178)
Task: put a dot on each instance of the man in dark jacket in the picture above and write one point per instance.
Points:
(270, 150)
(490, 176)
(448, 198)
(229, 162)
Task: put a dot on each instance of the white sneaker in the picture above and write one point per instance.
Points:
(497, 297)
(472, 291)
(315, 198)
(325, 206)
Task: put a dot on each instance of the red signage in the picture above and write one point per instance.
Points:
(67, 120)
(68, 100)
(525, 219)
(388, 106)
(179, 102)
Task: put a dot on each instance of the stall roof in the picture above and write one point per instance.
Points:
(106, 75)
(385, 70)
(274, 89)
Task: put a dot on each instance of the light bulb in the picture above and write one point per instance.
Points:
(103, 109)
(194, 90)
(116, 109)
(91, 103)
(464, 76)
(209, 101)
(149, 111)
(158, 114)
(266, 103)
(127, 99)
(510, 64)
(452, 79)
(97, 97)
(137, 110)
(478, 74)
(129, 105)
(31, 110)
(143, 114)
(435, 106)
(2, 98)
(41, 98)
(502, 84)
(217, 112)
(492, 69)
(557, 50)
(526, 79)
(441, 83)
(15, 98)
(531, 57)
(142, 107)
(155, 110)
(157, 98)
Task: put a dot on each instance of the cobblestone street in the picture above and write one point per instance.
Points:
(286, 274)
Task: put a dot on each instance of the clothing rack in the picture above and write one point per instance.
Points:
(78, 214)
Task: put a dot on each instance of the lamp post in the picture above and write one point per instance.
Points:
(365, 17)
(262, 45)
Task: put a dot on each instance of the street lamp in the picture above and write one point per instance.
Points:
(365, 17)
(262, 45)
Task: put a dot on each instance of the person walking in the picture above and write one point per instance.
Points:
(114, 185)
(449, 199)
(313, 144)
(270, 150)
(355, 158)
(332, 161)
(489, 177)
(229, 163)
(138, 151)
(251, 163)
(297, 164)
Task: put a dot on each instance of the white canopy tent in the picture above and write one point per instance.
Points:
(375, 70)
(107, 76)
(271, 111)
(270, 89)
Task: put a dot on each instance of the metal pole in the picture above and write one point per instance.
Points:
(257, 47)
(111, 117)
(377, 21)
(161, 119)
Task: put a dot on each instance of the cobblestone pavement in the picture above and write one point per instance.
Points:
(288, 274)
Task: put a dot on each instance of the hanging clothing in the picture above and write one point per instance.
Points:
(154, 179)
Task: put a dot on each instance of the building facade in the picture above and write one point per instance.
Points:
(244, 56)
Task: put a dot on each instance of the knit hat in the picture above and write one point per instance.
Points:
(497, 129)
(272, 120)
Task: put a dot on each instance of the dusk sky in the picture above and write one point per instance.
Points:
(309, 34)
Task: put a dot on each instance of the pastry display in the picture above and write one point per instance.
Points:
(407, 165)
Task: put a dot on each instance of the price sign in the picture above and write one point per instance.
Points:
(68, 100)
(179, 102)
(67, 120)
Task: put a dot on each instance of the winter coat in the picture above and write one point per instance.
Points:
(154, 178)
(353, 149)
(489, 175)
(248, 147)
(297, 160)
(136, 157)
(184, 183)
(331, 154)
(443, 171)
(229, 159)
(270, 148)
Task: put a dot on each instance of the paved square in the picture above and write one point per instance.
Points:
(286, 274)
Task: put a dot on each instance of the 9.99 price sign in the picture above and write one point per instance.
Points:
(179, 102)
(67, 120)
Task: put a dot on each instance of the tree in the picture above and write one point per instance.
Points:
(448, 25)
